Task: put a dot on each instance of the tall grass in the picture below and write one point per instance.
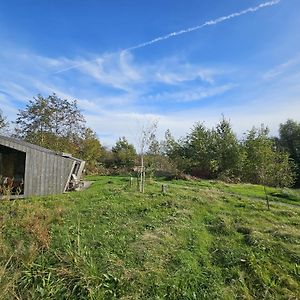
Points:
(111, 242)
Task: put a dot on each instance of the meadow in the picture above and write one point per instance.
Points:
(198, 240)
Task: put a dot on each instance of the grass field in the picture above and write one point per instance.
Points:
(200, 240)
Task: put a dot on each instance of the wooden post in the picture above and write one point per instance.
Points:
(142, 175)
(143, 181)
(268, 204)
(131, 181)
(164, 188)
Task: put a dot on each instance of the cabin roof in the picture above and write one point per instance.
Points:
(35, 147)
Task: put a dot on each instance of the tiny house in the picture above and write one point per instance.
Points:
(30, 170)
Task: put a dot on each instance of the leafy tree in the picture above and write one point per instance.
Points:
(58, 124)
(124, 153)
(51, 122)
(169, 144)
(197, 152)
(206, 153)
(263, 164)
(226, 151)
(289, 140)
(156, 160)
(90, 150)
(173, 149)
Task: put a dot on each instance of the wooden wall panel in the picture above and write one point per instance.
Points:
(46, 172)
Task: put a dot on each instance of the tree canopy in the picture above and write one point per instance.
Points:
(58, 124)
(50, 121)
(217, 153)
(124, 153)
(289, 140)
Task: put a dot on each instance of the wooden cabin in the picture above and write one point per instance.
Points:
(30, 170)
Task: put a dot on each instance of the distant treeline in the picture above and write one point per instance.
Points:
(214, 153)
(217, 153)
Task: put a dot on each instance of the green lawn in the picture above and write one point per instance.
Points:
(201, 240)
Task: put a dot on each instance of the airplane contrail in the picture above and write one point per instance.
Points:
(180, 32)
(208, 23)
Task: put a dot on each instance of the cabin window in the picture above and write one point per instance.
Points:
(12, 171)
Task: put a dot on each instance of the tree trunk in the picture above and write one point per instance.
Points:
(142, 175)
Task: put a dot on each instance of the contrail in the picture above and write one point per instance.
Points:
(176, 33)
(208, 23)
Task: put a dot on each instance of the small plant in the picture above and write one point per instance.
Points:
(6, 187)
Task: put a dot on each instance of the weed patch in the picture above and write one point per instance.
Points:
(200, 240)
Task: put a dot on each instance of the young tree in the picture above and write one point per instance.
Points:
(226, 151)
(169, 144)
(289, 140)
(263, 164)
(147, 135)
(124, 154)
(90, 150)
(197, 152)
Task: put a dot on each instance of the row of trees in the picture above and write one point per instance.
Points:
(58, 124)
(217, 153)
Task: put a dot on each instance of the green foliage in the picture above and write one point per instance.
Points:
(263, 164)
(58, 124)
(173, 150)
(207, 153)
(289, 140)
(200, 240)
(226, 151)
(197, 152)
(217, 153)
(48, 121)
(90, 150)
(124, 154)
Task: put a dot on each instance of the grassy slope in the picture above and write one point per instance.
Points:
(202, 240)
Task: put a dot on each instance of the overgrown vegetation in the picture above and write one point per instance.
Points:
(289, 140)
(200, 240)
(214, 153)
(217, 154)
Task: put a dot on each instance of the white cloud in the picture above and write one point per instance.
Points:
(114, 70)
(191, 94)
(118, 93)
(172, 72)
(268, 108)
(282, 68)
(16, 91)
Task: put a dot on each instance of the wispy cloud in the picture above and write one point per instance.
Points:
(15, 90)
(282, 68)
(115, 70)
(116, 79)
(191, 94)
(175, 72)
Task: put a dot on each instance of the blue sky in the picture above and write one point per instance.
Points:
(246, 67)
